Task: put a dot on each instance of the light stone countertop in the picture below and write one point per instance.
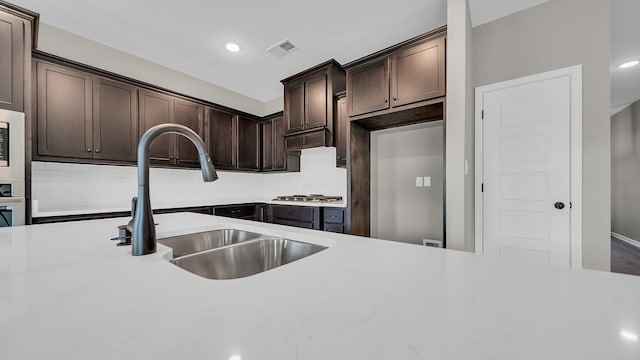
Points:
(67, 292)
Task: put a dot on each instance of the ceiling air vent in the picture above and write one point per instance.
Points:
(282, 48)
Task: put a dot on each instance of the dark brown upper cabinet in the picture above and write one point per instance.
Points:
(274, 156)
(222, 138)
(16, 42)
(341, 133)
(316, 101)
(405, 76)
(171, 149)
(279, 151)
(294, 106)
(12, 44)
(308, 100)
(157, 108)
(115, 120)
(368, 86)
(267, 145)
(418, 73)
(65, 127)
(248, 143)
(82, 116)
(191, 115)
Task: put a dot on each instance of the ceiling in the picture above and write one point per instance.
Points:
(625, 46)
(189, 36)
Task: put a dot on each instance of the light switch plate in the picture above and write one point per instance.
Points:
(427, 181)
(419, 181)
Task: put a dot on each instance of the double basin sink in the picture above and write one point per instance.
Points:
(232, 254)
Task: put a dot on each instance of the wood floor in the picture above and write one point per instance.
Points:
(625, 258)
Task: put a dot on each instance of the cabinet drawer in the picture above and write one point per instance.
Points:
(336, 228)
(241, 211)
(333, 216)
(299, 224)
(297, 213)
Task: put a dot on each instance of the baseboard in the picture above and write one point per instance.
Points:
(626, 239)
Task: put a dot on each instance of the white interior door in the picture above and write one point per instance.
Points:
(526, 171)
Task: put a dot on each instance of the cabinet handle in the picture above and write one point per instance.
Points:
(171, 157)
(395, 99)
(177, 157)
(386, 101)
(88, 150)
(97, 150)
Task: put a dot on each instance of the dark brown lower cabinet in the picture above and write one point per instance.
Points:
(299, 216)
(241, 211)
(333, 219)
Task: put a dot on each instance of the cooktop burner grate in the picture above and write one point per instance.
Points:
(309, 198)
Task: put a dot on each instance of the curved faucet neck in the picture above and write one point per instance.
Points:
(144, 234)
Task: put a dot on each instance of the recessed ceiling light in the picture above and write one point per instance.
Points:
(233, 47)
(629, 64)
(628, 335)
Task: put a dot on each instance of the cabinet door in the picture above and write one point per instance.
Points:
(340, 132)
(294, 106)
(315, 97)
(222, 138)
(191, 115)
(248, 144)
(12, 44)
(64, 112)
(368, 87)
(267, 145)
(418, 73)
(279, 152)
(157, 108)
(115, 120)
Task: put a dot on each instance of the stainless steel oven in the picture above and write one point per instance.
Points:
(12, 182)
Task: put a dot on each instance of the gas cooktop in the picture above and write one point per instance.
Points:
(309, 198)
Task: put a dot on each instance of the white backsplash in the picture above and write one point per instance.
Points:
(58, 187)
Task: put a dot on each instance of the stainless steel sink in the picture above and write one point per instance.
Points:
(193, 243)
(246, 259)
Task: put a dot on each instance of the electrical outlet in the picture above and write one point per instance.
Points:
(419, 181)
(427, 181)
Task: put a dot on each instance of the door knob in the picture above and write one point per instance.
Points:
(559, 205)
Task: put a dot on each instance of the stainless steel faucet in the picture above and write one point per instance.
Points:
(144, 230)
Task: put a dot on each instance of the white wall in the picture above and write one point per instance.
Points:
(460, 128)
(61, 187)
(71, 46)
(401, 211)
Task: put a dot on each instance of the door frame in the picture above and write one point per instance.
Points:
(575, 75)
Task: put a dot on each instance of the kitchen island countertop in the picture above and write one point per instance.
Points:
(67, 292)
